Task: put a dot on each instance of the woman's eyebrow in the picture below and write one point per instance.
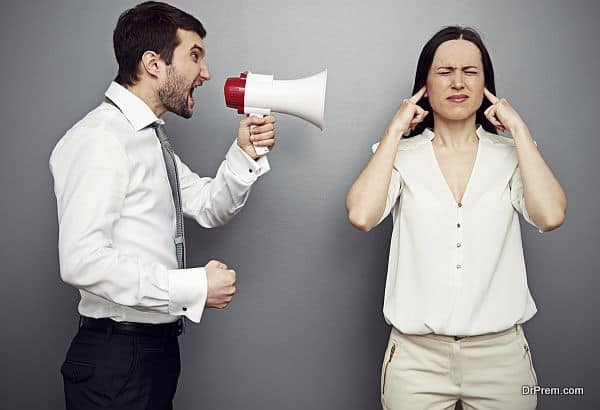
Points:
(449, 67)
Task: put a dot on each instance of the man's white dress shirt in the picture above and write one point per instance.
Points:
(117, 218)
(456, 268)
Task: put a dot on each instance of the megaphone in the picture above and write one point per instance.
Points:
(259, 94)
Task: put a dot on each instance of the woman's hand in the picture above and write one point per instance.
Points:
(501, 114)
(408, 115)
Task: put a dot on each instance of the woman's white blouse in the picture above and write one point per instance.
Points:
(456, 268)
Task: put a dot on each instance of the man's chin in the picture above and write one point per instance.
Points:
(187, 114)
(189, 109)
(182, 108)
(183, 112)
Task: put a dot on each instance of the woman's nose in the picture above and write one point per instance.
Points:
(457, 81)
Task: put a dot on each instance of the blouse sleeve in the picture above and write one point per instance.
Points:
(394, 190)
(517, 197)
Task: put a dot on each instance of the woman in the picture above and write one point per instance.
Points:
(456, 291)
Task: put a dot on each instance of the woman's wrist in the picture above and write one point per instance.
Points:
(519, 131)
(395, 134)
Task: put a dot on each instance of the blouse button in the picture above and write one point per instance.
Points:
(458, 245)
(459, 205)
(458, 266)
(458, 225)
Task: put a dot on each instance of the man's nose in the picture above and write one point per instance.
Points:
(205, 72)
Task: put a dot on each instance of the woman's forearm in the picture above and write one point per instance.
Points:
(367, 196)
(545, 198)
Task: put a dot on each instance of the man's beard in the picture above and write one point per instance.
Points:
(173, 94)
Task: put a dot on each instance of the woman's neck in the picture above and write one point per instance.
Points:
(454, 134)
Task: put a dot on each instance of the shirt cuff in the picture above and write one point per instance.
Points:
(244, 166)
(188, 290)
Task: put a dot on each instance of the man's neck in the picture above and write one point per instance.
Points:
(148, 96)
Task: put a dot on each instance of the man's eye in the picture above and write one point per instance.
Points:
(195, 56)
(471, 72)
(443, 72)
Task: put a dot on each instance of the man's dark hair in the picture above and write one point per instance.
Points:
(426, 59)
(148, 26)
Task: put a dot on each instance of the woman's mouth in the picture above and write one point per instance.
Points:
(458, 98)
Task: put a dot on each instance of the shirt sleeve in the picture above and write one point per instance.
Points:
(214, 201)
(517, 196)
(394, 190)
(91, 175)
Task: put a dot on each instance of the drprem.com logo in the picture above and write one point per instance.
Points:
(552, 391)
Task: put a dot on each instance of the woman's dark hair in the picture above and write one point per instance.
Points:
(150, 26)
(426, 59)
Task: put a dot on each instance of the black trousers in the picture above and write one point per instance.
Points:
(106, 370)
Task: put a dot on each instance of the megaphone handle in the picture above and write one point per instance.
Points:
(259, 150)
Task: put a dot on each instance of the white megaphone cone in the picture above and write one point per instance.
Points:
(259, 95)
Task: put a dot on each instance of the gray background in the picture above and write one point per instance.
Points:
(305, 330)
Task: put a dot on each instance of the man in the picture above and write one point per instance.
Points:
(121, 192)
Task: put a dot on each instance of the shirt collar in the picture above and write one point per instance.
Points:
(480, 132)
(133, 108)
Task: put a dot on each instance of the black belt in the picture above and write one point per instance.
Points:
(132, 329)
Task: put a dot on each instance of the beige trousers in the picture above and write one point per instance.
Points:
(432, 372)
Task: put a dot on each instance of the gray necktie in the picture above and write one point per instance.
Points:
(169, 156)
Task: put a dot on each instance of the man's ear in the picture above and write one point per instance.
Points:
(151, 63)
(425, 95)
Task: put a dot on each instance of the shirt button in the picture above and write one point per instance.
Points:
(458, 266)
(459, 205)
(250, 170)
(458, 245)
(184, 309)
(458, 225)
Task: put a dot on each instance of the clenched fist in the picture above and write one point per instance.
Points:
(221, 284)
